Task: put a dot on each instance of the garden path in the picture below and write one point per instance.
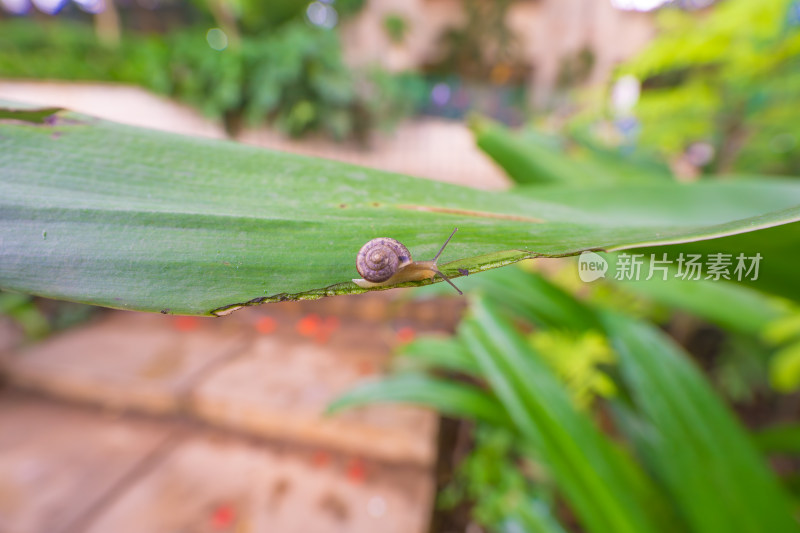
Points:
(137, 422)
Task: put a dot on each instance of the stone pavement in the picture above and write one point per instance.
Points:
(151, 423)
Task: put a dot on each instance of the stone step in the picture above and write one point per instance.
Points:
(126, 360)
(212, 485)
(57, 463)
(270, 371)
(68, 469)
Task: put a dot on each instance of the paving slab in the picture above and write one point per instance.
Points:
(219, 485)
(281, 388)
(58, 462)
(269, 374)
(127, 360)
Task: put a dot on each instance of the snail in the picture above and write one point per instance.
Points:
(384, 261)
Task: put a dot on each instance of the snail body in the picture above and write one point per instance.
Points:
(384, 261)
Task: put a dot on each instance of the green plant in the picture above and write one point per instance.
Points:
(554, 364)
(58, 50)
(38, 318)
(395, 26)
(676, 460)
(521, 495)
(483, 44)
(385, 99)
(291, 75)
(21, 309)
(152, 221)
(533, 158)
(728, 78)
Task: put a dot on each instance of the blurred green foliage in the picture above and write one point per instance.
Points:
(730, 77)
(535, 158)
(38, 317)
(483, 47)
(514, 489)
(672, 456)
(396, 27)
(601, 422)
(21, 309)
(292, 77)
(57, 50)
(761, 334)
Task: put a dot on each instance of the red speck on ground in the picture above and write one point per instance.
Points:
(331, 323)
(357, 471)
(326, 329)
(320, 459)
(186, 323)
(366, 368)
(405, 335)
(266, 325)
(223, 517)
(308, 326)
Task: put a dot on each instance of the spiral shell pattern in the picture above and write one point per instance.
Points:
(380, 258)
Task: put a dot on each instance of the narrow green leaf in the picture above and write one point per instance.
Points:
(783, 438)
(695, 445)
(446, 396)
(784, 368)
(778, 247)
(113, 215)
(37, 115)
(531, 159)
(727, 304)
(525, 162)
(530, 296)
(437, 353)
(599, 481)
(536, 517)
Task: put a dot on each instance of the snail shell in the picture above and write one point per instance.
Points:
(383, 262)
(381, 258)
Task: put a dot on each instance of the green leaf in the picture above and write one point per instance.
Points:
(784, 438)
(600, 481)
(530, 296)
(784, 368)
(727, 304)
(437, 353)
(35, 115)
(537, 517)
(446, 396)
(113, 215)
(533, 159)
(777, 246)
(527, 163)
(694, 444)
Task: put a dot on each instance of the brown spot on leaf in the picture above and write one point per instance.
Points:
(471, 213)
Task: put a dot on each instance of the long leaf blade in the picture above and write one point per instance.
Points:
(705, 459)
(112, 215)
(600, 482)
(446, 396)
